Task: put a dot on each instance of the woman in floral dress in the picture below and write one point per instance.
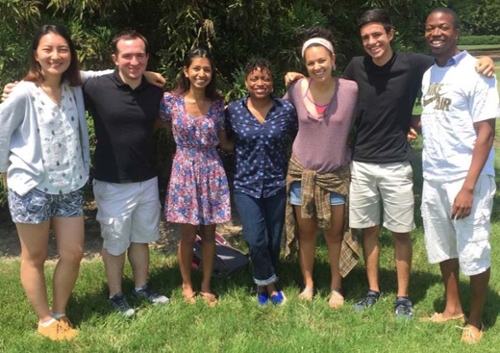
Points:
(198, 196)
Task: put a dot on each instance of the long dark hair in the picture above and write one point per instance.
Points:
(183, 83)
(72, 74)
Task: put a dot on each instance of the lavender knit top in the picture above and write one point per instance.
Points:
(321, 143)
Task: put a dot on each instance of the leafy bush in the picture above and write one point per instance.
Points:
(479, 40)
(235, 30)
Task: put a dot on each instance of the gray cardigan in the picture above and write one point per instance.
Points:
(20, 145)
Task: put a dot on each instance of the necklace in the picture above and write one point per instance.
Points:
(56, 97)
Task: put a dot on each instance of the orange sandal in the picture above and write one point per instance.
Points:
(209, 298)
(189, 299)
(472, 334)
(438, 318)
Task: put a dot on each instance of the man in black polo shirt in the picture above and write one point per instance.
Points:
(124, 107)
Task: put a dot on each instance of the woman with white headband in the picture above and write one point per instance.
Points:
(318, 174)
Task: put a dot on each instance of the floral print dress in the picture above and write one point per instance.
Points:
(198, 192)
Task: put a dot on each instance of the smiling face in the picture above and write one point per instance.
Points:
(199, 73)
(377, 42)
(319, 63)
(53, 55)
(441, 36)
(259, 83)
(131, 59)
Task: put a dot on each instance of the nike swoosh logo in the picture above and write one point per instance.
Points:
(429, 101)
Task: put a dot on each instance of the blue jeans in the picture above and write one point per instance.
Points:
(262, 220)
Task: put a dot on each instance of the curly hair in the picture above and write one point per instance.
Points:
(317, 31)
(257, 63)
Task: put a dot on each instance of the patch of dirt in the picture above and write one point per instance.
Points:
(169, 235)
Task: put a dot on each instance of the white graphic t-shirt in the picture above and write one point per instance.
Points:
(454, 98)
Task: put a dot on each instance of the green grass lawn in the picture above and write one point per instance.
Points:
(497, 72)
(237, 324)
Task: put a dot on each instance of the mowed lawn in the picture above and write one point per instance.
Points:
(237, 324)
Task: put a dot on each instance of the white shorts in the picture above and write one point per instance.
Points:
(377, 188)
(128, 213)
(466, 239)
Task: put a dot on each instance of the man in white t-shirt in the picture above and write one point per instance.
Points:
(458, 126)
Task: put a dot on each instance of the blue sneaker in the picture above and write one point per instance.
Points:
(120, 304)
(149, 293)
(279, 298)
(404, 308)
(371, 298)
(262, 298)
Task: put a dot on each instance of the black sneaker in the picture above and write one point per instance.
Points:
(120, 304)
(404, 308)
(150, 294)
(368, 301)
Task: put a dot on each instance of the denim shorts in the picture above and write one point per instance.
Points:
(37, 206)
(296, 196)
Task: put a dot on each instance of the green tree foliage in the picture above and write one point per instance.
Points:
(235, 30)
(18, 17)
(478, 17)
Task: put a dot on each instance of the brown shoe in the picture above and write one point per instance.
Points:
(189, 299)
(58, 330)
(471, 334)
(336, 300)
(209, 298)
(438, 318)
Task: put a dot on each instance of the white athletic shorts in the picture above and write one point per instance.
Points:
(382, 188)
(128, 213)
(466, 239)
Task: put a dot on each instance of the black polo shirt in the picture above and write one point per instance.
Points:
(123, 120)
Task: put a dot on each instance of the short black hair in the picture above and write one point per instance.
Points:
(376, 15)
(448, 11)
(257, 63)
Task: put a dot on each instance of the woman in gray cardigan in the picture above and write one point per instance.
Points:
(44, 153)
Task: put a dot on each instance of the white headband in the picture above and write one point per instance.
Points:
(317, 40)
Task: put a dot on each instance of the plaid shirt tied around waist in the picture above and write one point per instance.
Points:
(315, 200)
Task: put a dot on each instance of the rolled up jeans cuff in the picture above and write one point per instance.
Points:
(273, 279)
